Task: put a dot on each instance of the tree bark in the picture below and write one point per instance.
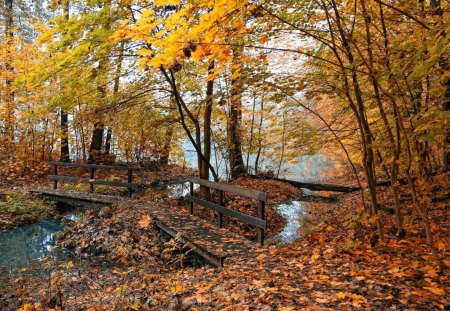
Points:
(164, 159)
(115, 91)
(65, 152)
(204, 169)
(95, 151)
(108, 141)
(237, 167)
(9, 93)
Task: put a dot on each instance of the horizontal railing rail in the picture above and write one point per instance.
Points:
(95, 166)
(259, 222)
(92, 180)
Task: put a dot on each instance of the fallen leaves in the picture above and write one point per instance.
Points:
(314, 272)
(144, 221)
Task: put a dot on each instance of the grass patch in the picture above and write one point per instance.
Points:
(17, 209)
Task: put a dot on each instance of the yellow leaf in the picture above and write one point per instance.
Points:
(26, 307)
(341, 295)
(145, 52)
(315, 256)
(166, 2)
(436, 290)
(177, 288)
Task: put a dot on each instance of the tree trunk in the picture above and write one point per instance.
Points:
(95, 151)
(261, 120)
(182, 108)
(237, 167)
(164, 159)
(204, 169)
(108, 141)
(115, 91)
(65, 152)
(9, 93)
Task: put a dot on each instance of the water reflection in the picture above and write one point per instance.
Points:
(172, 190)
(292, 213)
(27, 245)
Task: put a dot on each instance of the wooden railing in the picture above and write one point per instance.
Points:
(258, 222)
(91, 180)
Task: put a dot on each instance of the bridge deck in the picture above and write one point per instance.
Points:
(79, 198)
(213, 243)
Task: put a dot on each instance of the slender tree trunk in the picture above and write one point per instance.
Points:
(261, 120)
(252, 125)
(283, 146)
(444, 63)
(204, 169)
(359, 112)
(393, 145)
(237, 166)
(95, 152)
(65, 152)
(82, 134)
(115, 91)
(164, 159)
(182, 108)
(108, 141)
(9, 93)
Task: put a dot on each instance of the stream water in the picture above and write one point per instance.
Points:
(27, 245)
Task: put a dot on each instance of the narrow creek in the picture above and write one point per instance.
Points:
(26, 247)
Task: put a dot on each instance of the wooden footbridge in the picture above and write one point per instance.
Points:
(211, 241)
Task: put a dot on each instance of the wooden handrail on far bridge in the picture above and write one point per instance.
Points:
(91, 180)
(258, 222)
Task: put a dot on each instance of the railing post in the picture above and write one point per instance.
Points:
(221, 203)
(130, 180)
(91, 176)
(261, 208)
(191, 193)
(55, 172)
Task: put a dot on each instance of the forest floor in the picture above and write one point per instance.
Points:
(121, 262)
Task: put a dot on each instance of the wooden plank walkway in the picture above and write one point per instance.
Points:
(213, 243)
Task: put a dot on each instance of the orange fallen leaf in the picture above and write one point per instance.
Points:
(144, 221)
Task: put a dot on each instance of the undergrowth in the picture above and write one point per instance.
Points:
(17, 209)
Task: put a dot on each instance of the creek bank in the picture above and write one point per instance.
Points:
(17, 209)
